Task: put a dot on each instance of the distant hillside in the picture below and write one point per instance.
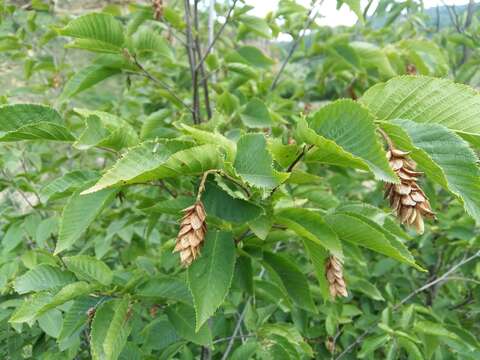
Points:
(445, 19)
(431, 16)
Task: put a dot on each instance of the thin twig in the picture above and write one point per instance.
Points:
(25, 170)
(230, 337)
(210, 74)
(453, 17)
(335, 338)
(217, 36)
(305, 149)
(22, 194)
(164, 186)
(308, 22)
(461, 278)
(468, 22)
(243, 313)
(200, 68)
(444, 277)
(192, 63)
(160, 82)
(365, 11)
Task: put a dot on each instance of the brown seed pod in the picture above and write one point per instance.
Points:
(193, 229)
(157, 6)
(407, 199)
(334, 275)
(330, 344)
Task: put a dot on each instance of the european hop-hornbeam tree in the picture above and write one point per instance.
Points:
(179, 182)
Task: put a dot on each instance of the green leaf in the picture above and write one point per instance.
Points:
(425, 99)
(105, 130)
(165, 287)
(354, 5)
(329, 152)
(245, 351)
(411, 348)
(351, 127)
(76, 316)
(209, 137)
(13, 237)
(281, 332)
(90, 269)
(43, 277)
(147, 40)
(27, 311)
(32, 122)
(361, 231)
(98, 32)
(443, 156)
(427, 56)
(311, 226)
(371, 344)
(51, 323)
(284, 155)
(110, 329)
(65, 184)
(118, 330)
(254, 163)
(250, 55)
(318, 257)
(170, 206)
(372, 56)
(219, 203)
(85, 79)
(138, 18)
(261, 226)
(245, 71)
(152, 161)
(79, 212)
(293, 280)
(365, 287)
(182, 318)
(256, 25)
(69, 292)
(256, 114)
(210, 276)
(435, 329)
(227, 103)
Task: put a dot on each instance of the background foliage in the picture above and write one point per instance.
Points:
(111, 114)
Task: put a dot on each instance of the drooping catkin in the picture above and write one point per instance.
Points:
(407, 199)
(334, 275)
(192, 233)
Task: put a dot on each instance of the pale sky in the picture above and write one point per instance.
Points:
(332, 16)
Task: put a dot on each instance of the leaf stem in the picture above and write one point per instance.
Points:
(201, 187)
(386, 138)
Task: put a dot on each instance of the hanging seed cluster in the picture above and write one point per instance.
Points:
(192, 233)
(157, 6)
(334, 274)
(407, 199)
